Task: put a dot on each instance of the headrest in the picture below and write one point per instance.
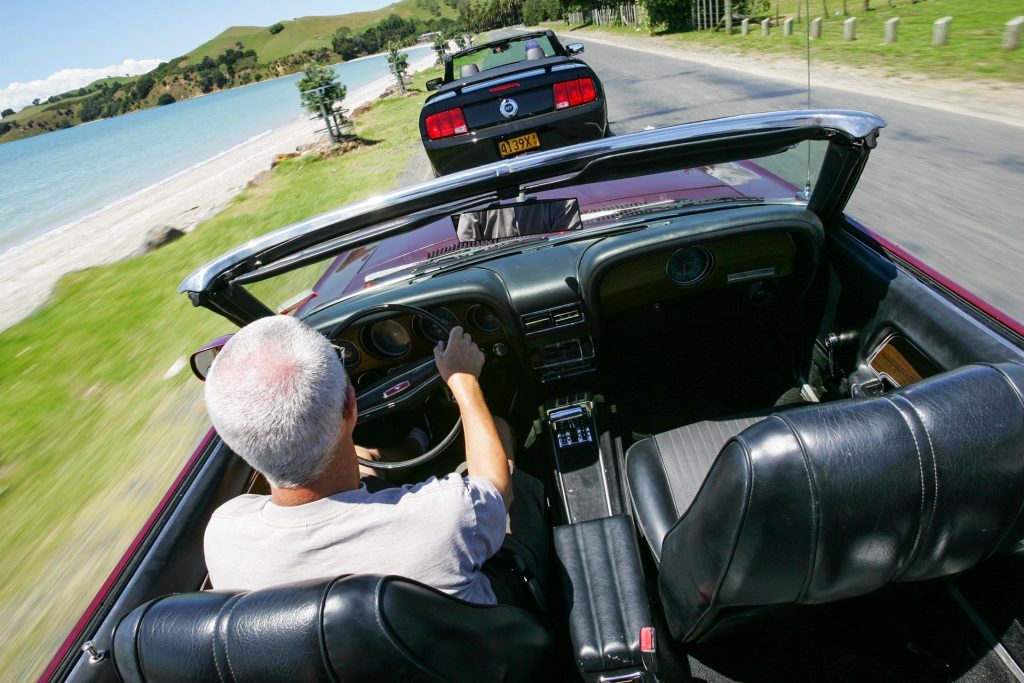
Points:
(534, 53)
(468, 70)
(354, 628)
(836, 500)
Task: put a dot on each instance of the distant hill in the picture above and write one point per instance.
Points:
(239, 55)
(311, 33)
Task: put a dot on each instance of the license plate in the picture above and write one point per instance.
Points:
(518, 144)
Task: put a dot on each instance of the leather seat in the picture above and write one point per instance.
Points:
(833, 501)
(353, 628)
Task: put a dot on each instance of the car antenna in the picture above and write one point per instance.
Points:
(805, 195)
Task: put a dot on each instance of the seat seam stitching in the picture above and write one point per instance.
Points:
(815, 521)
(619, 616)
(918, 540)
(935, 464)
(1020, 397)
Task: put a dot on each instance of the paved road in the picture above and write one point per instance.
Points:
(949, 188)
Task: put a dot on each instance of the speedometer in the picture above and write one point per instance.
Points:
(429, 331)
(388, 338)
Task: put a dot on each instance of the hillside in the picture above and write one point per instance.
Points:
(237, 56)
(311, 33)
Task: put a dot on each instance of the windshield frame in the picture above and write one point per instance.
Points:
(850, 134)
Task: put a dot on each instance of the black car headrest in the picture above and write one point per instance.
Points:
(354, 628)
(836, 500)
(468, 70)
(534, 53)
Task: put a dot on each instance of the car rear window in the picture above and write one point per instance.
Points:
(487, 58)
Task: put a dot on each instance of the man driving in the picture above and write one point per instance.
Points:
(279, 397)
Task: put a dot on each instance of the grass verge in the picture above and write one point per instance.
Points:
(974, 49)
(100, 410)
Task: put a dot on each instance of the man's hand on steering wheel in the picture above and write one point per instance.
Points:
(459, 359)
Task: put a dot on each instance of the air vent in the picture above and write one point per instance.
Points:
(537, 322)
(567, 315)
(563, 316)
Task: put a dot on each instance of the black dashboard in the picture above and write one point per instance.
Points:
(543, 307)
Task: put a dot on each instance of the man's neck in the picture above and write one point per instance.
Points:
(342, 474)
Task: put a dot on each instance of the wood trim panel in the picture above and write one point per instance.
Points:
(643, 280)
(902, 363)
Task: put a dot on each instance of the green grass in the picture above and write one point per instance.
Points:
(974, 50)
(93, 431)
(306, 33)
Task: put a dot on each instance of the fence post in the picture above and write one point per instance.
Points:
(891, 29)
(745, 26)
(787, 27)
(850, 29)
(816, 28)
(940, 34)
(1011, 38)
(766, 27)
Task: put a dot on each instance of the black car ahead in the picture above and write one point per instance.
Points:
(511, 96)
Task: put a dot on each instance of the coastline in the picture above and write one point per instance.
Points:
(29, 271)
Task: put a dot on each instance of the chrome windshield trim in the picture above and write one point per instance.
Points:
(442, 96)
(448, 190)
(566, 67)
(503, 79)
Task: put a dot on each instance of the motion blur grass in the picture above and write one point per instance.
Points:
(974, 50)
(99, 408)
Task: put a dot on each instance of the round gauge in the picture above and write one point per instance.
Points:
(348, 353)
(388, 338)
(367, 378)
(429, 330)
(688, 266)
(483, 319)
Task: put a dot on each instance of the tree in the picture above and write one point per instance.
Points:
(165, 98)
(5, 128)
(6, 112)
(398, 62)
(440, 45)
(36, 101)
(276, 28)
(90, 109)
(143, 86)
(319, 84)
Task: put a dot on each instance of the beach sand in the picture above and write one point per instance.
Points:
(29, 271)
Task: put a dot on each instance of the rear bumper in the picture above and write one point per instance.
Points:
(555, 129)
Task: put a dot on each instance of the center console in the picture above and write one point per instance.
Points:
(609, 614)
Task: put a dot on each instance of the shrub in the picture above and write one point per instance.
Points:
(276, 28)
(6, 112)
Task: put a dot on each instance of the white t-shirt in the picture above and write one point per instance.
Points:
(438, 532)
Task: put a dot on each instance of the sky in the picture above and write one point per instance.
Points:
(50, 46)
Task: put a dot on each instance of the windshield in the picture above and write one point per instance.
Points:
(493, 55)
(578, 207)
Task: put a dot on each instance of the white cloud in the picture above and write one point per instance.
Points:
(18, 95)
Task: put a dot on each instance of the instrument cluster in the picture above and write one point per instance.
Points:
(372, 350)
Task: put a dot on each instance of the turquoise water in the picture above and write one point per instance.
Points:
(51, 179)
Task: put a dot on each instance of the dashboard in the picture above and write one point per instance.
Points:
(544, 307)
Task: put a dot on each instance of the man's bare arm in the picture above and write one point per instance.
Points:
(459, 363)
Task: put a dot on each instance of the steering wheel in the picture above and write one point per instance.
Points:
(408, 386)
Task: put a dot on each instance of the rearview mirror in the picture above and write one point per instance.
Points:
(434, 83)
(574, 49)
(202, 359)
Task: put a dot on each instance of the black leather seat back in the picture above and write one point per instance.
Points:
(834, 501)
(355, 628)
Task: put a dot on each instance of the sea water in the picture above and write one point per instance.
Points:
(51, 179)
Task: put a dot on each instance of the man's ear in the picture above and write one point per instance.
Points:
(351, 412)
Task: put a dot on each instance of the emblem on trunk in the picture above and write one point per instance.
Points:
(508, 108)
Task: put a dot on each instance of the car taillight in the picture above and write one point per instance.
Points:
(575, 92)
(446, 124)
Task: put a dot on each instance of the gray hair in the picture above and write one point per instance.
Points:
(276, 394)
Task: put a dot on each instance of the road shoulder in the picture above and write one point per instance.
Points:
(993, 101)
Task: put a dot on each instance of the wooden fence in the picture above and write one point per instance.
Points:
(629, 14)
